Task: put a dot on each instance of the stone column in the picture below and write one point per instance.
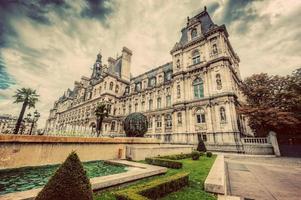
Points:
(273, 139)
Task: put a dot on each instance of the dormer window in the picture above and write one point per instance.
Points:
(152, 82)
(138, 87)
(194, 33)
(168, 76)
(214, 49)
(196, 57)
(178, 64)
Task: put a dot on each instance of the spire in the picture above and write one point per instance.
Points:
(205, 8)
(99, 56)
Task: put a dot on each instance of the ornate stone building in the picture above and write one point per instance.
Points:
(193, 97)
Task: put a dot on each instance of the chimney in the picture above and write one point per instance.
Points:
(126, 63)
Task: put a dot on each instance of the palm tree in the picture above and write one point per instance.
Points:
(28, 97)
(101, 111)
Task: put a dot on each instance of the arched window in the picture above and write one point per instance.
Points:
(196, 57)
(116, 89)
(159, 103)
(111, 86)
(150, 122)
(194, 33)
(198, 88)
(158, 121)
(223, 116)
(130, 108)
(178, 91)
(168, 101)
(136, 107)
(218, 81)
(150, 104)
(168, 121)
(200, 116)
(179, 115)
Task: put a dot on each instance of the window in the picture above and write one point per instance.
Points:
(194, 33)
(159, 103)
(214, 49)
(222, 112)
(200, 116)
(150, 122)
(130, 108)
(168, 121)
(136, 107)
(178, 64)
(111, 86)
(100, 90)
(198, 88)
(168, 76)
(127, 90)
(105, 86)
(159, 121)
(179, 115)
(138, 87)
(152, 82)
(116, 89)
(178, 91)
(218, 81)
(150, 105)
(142, 106)
(113, 126)
(168, 101)
(196, 57)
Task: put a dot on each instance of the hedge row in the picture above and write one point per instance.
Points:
(177, 156)
(154, 189)
(164, 162)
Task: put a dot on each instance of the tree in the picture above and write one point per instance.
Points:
(69, 182)
(101, 111)
(273, 102)
(28, 97)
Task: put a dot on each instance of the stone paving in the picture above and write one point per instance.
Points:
(264, 178)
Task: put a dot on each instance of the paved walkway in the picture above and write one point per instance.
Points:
(264, 178)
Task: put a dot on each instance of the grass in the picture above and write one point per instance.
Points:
(198, 170)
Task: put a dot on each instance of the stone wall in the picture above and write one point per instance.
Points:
(21, 150)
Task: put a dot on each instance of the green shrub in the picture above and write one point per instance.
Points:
(208, 154)
(195, 155)
(164, 162)
(69, 182)
(154, 189)
(201, 153)
(177, 156)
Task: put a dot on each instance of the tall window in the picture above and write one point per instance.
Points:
(168, 76)
(130, 108)
(200, 116)
(138, 87)
(159, 103)
(198, 88)
(223, 116)
(178, 91)
(168, 101)
(168, 121)
(136, 107)
(158, 121)
(179, 115)
(152, 82)
(194, 33)
(111, 86)
(150, 122)
(196, 57)
(214, 49)
(142, 106)
(150, 104)
(178, 64)
(105, 86)
(116, 89)
(218, 81)
(113, 126)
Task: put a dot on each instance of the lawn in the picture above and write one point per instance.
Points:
(198, 172)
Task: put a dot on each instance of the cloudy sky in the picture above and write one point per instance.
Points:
(48, 44)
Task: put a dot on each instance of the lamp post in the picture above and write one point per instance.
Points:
(36, 117)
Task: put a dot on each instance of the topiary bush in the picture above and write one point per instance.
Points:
(195, 155)
(69, 182)
(201, 146)
(135, 125)
(208, 154)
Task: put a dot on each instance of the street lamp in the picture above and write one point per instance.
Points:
(36, 117)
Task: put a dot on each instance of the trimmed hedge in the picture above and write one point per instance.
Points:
(154, 189)
(177, 156)
(208, 154)
(195, 155)
(164, 162)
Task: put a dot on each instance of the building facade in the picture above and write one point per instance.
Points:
(8, 124)
(194, 96)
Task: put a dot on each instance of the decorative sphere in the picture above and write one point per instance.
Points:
(135, 125)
